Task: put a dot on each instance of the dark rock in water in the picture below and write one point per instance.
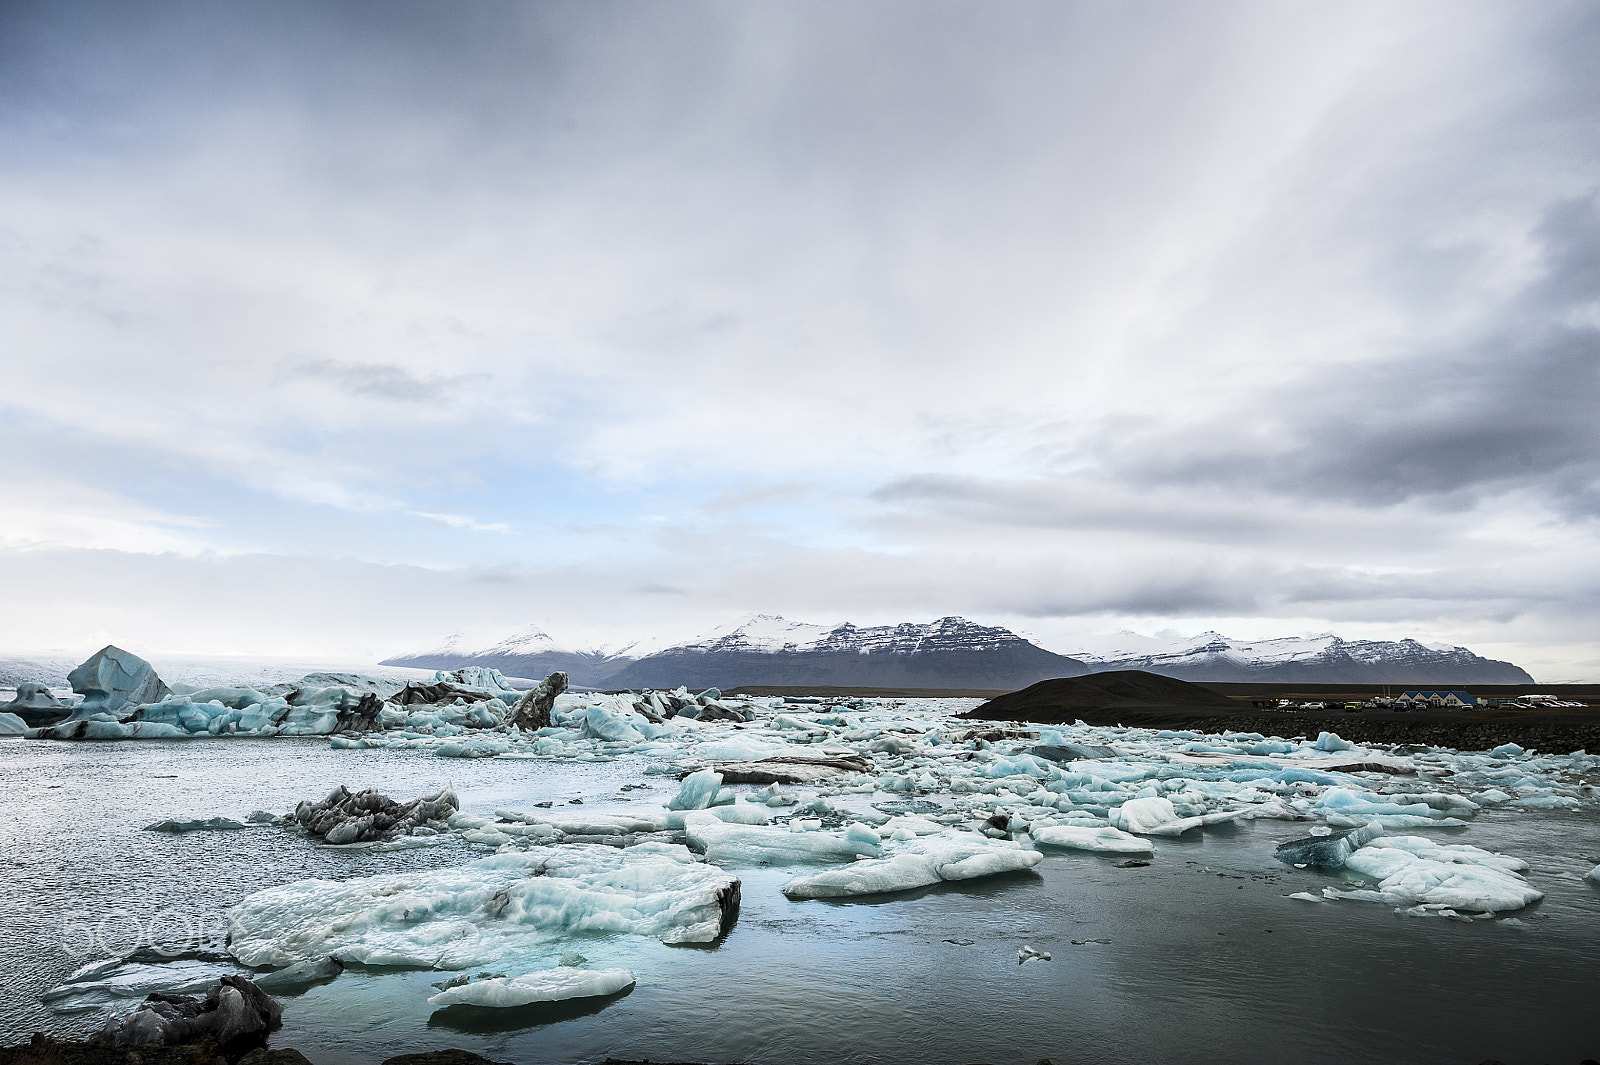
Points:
(113, 679)
(440, 1057)
(43, 1050)
(368, 816)
(1330, 851)
(1131, 863)
(268, 1056)
(1062, 700)
(236, 1010)
(532, 711)
(1069, 752)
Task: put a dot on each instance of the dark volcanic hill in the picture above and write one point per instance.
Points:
(1067, 698)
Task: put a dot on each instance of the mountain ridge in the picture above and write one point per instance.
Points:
(952, 652)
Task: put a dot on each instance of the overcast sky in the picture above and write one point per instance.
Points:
(334, 328)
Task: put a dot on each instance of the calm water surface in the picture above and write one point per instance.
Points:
(1197, 958)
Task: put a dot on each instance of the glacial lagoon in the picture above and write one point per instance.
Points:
(1202, 955)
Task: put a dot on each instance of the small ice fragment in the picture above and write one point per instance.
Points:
(1303, 896)
(1027, 953)
(547, 985)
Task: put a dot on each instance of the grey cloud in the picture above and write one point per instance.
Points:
(1512, 408)
(380, 380)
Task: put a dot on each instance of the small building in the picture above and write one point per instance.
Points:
(1436, 700)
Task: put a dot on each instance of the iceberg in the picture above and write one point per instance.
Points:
(928, 861)
(499, 908)
(1105, 840)
(12, 725)
(112, 679)
(546, 985)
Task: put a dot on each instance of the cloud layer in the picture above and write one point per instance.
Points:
(1272, 318)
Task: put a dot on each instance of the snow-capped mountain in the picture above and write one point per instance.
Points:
(1327, 659)
(955, 653)
(529, 652)
(764, 649)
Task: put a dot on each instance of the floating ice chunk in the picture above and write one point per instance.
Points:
(1365, 805)
(1593, 875)
(500, 907)
(210, 824)
(1305, 896)
(1330, 741)
(1028, 953)
(747, 845)
(698, 791)
(12, 725)
(614, 720)
(1411, 871)
(547, 985)
(1330, 851)
(300, 975)
(927, 861)
(1394, 822)
(1508, 750)
(1106, 840)
(1018, 765)
(1152, 816)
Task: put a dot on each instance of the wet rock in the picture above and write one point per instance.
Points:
(368, 816)
(268, 1056)
(43, 1050)
(451, 1056)
(113, 679)
(532, 711)
(236, 1010)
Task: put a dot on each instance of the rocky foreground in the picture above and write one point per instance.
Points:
(43, 1050)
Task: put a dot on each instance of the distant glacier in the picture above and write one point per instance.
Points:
(953, 652)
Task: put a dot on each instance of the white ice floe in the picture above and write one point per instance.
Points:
(546, 985)
(927, 861)
(1154, 815)
(500, 907)
(751, 845)
(1415, 871)
(1106, 840)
